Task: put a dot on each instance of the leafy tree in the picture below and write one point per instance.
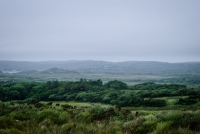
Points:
(94, 91)
(154, 103)
(116, 85)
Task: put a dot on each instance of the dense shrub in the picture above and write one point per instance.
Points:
(154, 103)
(116, 85)
(187, 101)
(98, 119)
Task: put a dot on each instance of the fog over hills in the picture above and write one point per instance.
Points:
(88, 66)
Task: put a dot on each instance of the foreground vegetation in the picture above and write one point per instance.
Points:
(62, 118)
(91, 107)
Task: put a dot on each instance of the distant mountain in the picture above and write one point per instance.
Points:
(49, 71)
(103, 67)
(58, 71)
(28, 72)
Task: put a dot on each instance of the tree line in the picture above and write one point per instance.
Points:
(113, 92)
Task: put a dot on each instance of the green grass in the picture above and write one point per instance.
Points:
(83, 104)
(96, 119)
(73, 103)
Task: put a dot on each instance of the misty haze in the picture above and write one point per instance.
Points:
(100, 67)
(155, 30)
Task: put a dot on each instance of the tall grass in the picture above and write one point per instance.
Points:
(96, 120)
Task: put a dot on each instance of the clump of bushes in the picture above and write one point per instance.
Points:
(187, 101)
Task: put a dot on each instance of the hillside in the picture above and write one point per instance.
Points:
(131, 72)
(58, 71)
(129, 67)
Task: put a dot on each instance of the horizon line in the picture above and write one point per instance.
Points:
(98, 61)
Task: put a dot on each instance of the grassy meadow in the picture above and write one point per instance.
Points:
(87, 118)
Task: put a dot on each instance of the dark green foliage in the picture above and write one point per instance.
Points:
(190, 121)
(146, 128)
(100, 113)
(153, 86)
(21, 115)
(113, 92)
(187, 101)
(116, 85)
(169, 91)
(5, 108)
(6, 122)
(67, 128)
(154, 103)
(48, 114)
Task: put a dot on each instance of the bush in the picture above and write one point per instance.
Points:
(101, 113)
(162, 128)
(67, 128)
(193, 123)
(150, 117)
(147, 127)
(85, 117)
(132, 126)
(20, 115)
(116, 85)
(63, 117)
(48, 113)
(4, 131)
(114, 129)
(180, 131)
(172, 116)
(15, 131)
(187, 101)
(6, 122)
(154, 103)
(5, 108)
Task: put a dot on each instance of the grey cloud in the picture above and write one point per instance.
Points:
(100, 30)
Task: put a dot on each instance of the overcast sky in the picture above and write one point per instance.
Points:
(109, 30)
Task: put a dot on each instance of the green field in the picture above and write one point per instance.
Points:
(73, 103)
